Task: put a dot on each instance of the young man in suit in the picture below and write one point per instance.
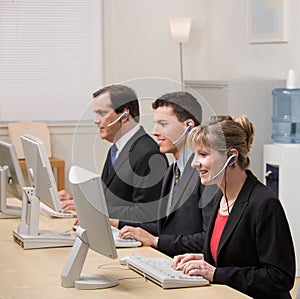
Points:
(132, 175)
(184, 207)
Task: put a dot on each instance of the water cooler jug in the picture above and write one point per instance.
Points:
(286, 112)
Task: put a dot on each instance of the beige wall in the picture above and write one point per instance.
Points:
(138, 42)
(232, 56)
(140, 51)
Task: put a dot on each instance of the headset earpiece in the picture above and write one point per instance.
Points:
(122, 116)
(231, 159)
(187, 129)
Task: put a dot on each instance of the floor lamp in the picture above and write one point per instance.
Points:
(180, 31)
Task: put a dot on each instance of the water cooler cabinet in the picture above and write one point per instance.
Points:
(282, 168)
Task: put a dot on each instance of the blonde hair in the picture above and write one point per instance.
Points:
(224, 133)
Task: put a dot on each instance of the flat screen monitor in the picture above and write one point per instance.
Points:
(94, 230)
(12, 181)
(43, 189)
(39, 171)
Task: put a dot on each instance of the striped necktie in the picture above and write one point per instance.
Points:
(176, 179)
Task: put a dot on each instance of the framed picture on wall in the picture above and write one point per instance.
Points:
(267, 21)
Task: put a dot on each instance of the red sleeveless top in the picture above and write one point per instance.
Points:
(216, 234)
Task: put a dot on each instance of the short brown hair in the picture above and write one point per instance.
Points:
(121, 97)
(184, 105)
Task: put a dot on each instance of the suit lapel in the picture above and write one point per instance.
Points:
(105, 171)
(123, 156)
(235, 215)
(237, 210)
(186, 185)
(165, 196)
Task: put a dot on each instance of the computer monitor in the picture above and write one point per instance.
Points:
(11, 180)
(39, 171)
(43, 189)
(41, 177)
(94, 231)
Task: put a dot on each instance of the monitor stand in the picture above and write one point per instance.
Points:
(70, 276)
(6, 211)
(28, 235)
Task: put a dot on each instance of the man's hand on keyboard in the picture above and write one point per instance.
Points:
(114, 222)
(67, 201)
(139, 234)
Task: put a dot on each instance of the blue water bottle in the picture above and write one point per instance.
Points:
(286, 112)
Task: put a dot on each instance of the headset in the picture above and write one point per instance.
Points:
(230, 160)
(186, 131)
(122, 116)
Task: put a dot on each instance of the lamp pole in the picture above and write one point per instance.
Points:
(181, 64)
(180, 31)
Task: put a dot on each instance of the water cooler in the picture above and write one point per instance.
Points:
(282, 167)
(282, 159)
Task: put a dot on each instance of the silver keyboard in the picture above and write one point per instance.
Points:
(159, 270)
(129, 242)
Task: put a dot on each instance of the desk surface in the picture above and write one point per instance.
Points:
(35, 273)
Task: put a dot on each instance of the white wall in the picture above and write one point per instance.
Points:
(231, 55)
(138, 42)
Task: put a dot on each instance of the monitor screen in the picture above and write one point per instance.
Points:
(92, 211)
(12, 181)
(40, 173)
(93, 232)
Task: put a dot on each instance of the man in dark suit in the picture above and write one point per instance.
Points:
(134, 168)
(184, 207)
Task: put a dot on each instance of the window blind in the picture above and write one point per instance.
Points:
(51, 59)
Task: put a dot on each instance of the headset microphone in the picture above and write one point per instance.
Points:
(229, 161)
(123, 115)
(187, 129)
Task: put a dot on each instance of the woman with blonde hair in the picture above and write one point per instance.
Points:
(248, 244)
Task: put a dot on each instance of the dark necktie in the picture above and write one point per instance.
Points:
(113, 155)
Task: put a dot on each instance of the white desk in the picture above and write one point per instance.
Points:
(35, 273)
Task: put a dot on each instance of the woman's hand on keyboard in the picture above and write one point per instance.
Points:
(139, 234)
(180, 260)
(199, 268)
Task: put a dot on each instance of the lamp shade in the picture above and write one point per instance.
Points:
(180, 29)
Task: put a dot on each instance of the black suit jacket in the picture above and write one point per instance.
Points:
(255, 254)
(132, 188)
(183, 230)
